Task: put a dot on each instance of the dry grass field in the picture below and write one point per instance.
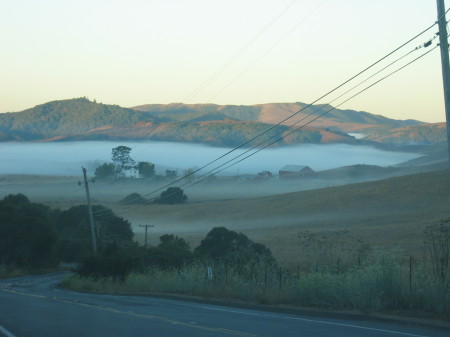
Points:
(390, 213)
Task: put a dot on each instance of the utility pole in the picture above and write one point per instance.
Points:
(91, 217)
(146, 227)
(442, 23)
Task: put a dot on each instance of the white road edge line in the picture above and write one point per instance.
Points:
(6, 332)
(287, 317)
(315, 321)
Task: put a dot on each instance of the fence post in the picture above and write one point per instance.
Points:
(226, 273)
(265, 276)
(279, 283)
(410, 275)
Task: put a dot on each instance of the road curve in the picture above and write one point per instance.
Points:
(32, 306)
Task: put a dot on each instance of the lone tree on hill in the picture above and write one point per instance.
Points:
(121, 157)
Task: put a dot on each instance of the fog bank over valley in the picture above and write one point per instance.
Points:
(66, 158)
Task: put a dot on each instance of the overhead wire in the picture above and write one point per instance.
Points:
(289, 117)
(214, 75)
(232, 161)
(241, 51)
(302, 20)
(321, 115)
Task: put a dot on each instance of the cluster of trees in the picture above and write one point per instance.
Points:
(28, 235)
(34, 236)
(65, 118)
(220, 247)
(121, 163)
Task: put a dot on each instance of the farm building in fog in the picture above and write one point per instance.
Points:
(296, 171)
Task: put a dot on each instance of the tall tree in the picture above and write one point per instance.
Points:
(74, 234)
(27, 234)
(122, 159)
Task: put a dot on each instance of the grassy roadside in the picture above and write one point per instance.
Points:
(383, 286)
(9, 272)
(14, 271)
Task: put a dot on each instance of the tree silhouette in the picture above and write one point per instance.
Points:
(121, 157)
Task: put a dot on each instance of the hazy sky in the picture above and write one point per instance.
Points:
(133, 52)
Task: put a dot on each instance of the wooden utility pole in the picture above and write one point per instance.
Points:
(91, 217)
(442, 23)
(146, 227)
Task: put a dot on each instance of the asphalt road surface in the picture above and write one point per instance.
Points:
(32, 306)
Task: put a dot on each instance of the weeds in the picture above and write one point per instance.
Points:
(379, 286)
(338, 276)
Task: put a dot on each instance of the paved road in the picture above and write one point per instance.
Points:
(32, 306)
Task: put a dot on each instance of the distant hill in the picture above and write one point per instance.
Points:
(273, 113)
(189, 112)
(64, 118)
(416, 134)
(218, 133)
(221, 125)
(336, 120)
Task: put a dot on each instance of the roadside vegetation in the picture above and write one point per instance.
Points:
(336, 272)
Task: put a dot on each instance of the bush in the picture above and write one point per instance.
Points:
(172, 252)
(173, 195)
(106, 170)
(226, 246)
(113, 262)
(133, 199)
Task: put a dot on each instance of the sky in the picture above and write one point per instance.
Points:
(135, 52)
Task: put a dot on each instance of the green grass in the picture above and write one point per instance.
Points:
(381, 285)
(10, 272)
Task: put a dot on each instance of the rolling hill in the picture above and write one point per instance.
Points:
(63, 118)
(415, 134)
(220, 125)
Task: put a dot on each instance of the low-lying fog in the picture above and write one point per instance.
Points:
(66, 158)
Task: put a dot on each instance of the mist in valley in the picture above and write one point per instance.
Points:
(66, 158)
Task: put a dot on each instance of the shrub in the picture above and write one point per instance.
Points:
(133, 199)
(173, 195)
(113, 262)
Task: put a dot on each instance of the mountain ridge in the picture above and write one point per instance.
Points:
(220, 125)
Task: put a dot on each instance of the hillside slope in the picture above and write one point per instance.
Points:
(416, 134)
(63, 118)
(221, 125)
(81, 119)
(273, 113)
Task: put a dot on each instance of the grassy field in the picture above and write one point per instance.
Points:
(385, 214)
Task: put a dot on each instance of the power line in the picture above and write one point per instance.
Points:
(285, 119)
(296, 113)
(302, 20)
(237, 54)
(302, 126)
(214, 171)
